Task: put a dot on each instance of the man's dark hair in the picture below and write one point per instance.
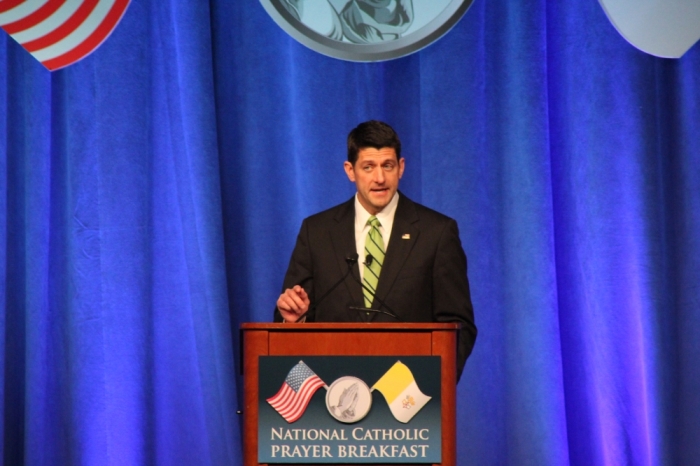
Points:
(375, 134)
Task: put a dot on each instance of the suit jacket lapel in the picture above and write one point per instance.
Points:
(343, 240)
(399, 247)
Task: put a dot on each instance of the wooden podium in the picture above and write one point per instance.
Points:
(348, 339)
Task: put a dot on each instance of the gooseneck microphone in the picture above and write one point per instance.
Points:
(389, 311)
(350, 259)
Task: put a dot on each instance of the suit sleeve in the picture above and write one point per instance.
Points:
(300, 269)
(451, 296)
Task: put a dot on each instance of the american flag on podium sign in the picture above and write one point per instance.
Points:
(59, 33)
(293, 397)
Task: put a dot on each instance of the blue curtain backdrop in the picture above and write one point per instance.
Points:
(151, 195)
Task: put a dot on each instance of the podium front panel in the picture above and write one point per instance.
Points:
(346, 339)
(343, 343)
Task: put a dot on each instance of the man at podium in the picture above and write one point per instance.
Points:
(379, 257)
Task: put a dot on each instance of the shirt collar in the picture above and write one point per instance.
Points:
(385, 216)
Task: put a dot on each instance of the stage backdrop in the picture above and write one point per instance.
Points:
(151, 195)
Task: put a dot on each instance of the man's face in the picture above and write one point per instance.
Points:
(376, 175)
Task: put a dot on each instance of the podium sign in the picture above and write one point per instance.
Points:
(341, 385)
(349, 409)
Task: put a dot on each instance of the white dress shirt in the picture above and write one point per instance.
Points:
(386, 219)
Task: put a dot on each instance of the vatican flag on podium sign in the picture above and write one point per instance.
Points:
(401, 392)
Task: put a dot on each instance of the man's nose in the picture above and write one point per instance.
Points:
(379, 175)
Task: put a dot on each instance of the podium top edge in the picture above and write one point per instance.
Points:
(369, 326)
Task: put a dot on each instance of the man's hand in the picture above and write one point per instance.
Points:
(293, 303)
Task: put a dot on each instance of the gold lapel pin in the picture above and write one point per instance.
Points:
(406, 236)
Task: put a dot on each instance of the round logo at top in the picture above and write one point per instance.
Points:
(366, 30)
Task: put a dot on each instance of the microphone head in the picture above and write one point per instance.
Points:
(368, 260)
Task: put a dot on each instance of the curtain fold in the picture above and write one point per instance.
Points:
(118, 347)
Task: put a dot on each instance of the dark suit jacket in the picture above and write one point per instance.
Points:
(423, 278)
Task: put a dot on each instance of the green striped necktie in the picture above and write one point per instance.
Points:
(374, 247)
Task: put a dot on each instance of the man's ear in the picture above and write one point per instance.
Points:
(349, 170)
(402, 165)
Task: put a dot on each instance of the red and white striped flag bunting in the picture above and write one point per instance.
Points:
(59, 33)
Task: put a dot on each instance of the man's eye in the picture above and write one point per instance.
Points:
(367, 168)
(389, 166)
